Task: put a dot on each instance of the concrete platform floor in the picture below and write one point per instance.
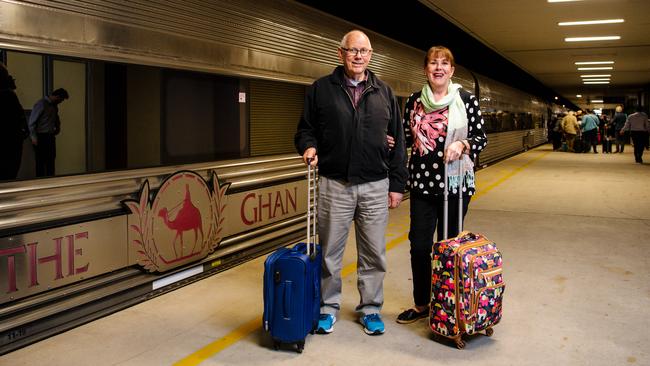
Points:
(574, 230)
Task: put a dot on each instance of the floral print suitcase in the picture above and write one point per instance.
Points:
(467, 287)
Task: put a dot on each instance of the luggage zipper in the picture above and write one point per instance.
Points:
(491, 272)
(471, 265)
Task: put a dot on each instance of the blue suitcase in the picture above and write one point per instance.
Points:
(292, 287)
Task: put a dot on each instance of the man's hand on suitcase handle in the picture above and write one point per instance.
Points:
(310, 157)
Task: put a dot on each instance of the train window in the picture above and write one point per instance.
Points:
(123, 116)
(506, 121)
(200, 119)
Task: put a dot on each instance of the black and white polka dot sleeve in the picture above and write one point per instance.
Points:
(406, 120)
(475, 134)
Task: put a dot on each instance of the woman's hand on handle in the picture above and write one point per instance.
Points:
(454, 151)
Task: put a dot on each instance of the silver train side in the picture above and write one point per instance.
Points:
(52, 276)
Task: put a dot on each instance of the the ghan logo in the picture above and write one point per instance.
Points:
(181, 224)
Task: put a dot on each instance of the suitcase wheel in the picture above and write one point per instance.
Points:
(300, 346)
(276, 345)
(459, 343)
(489, 332)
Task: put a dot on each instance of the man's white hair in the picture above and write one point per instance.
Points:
(344, 40)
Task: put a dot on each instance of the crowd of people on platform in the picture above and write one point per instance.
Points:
(582, 132)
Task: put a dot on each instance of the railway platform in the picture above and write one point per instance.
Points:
(573, 230)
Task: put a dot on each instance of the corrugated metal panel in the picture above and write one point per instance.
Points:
(275, 109)
(504, 144)
(274, 39)
(501, 145)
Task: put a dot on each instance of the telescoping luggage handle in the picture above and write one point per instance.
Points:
(445, 194)
(311, 222)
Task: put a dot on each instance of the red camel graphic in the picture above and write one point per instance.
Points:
(187, 218)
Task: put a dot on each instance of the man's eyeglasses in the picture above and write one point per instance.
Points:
(355, 51)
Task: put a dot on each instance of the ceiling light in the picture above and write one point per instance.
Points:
(595, 82)
(561, 1)
(597, 101)
(596, 68)
(578, 95)
(603, 79)
(596, 76)
(587, 22)
(588, 39)
(594, 62)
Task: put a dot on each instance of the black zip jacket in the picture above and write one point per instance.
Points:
(351, 142)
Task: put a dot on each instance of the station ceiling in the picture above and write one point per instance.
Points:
(527, 33)
(520, 43)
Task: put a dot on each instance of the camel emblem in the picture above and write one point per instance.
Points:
(188, 218)
(181, 224)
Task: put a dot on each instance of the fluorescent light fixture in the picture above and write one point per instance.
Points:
(561, 1)
(597, 101)
(596, 68)
(596, 76)
(604, 79)
(589, 39)
(588, 22)
(595, 82)
(594, 63)
(578, 95)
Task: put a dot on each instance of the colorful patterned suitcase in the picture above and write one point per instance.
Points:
(467, 283)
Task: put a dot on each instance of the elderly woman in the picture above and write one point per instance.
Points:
(442, 124)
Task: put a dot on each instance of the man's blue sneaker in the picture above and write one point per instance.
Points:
(325, 323)
(372, 324)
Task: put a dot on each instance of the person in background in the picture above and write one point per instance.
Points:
(570, 127)
(557, 132)
(589, 129)
(44, 125)
(344, 129)
(618, 122)
(639, 127)
(608, 135)
(442, 124)
(13, 127)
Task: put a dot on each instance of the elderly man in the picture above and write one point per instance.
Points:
(571, 127)
(347, 118)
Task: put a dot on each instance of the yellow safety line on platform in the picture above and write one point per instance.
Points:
(251, 326)
(254, 324)
(221, 343)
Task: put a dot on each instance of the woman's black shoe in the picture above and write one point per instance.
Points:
(412, 315)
